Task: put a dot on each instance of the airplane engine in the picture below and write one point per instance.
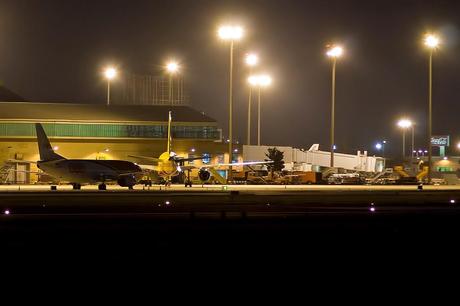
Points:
(126, 180)
(204, 175)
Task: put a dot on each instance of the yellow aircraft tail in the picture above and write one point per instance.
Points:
(168, 149)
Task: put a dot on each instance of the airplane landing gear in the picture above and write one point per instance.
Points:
(102, 186)
(131, 187)
(76, 186)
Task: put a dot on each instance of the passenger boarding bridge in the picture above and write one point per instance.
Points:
(313, 159)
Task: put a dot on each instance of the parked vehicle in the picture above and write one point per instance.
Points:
(345, 179)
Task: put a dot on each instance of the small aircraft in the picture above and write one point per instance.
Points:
(84, 171)
(168, 164)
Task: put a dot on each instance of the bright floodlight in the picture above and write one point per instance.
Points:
(110, 73)
(172, 67)
(251, 59)
(230, 32)
(431, 41)
(262, 80)
(458, 145)
(265, 80)
(378, 146)
(253, 80)
(404, 123)
(335, 51)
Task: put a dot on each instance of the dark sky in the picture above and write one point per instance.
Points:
(54, 51)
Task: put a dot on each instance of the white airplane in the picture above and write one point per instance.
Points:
(84, 171)
(168, 164)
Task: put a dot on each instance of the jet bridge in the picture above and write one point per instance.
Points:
(298, 158)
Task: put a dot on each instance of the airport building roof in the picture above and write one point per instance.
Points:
(66, 112)
(8, 95)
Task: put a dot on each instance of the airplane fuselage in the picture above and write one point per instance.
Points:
(83, 171)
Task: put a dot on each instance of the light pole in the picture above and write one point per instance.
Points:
(413, 143)
(404, 124)
(109, 73)
(432, 42)
(381, 146)
(232, 34)
(172, 68)
(333, 52)
(259, 81)
(251, 60)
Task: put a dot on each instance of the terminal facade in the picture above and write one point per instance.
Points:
(91, 131)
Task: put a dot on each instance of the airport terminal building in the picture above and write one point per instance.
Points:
(94, 131)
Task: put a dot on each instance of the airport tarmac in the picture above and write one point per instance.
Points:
(150, 225)
(204, 188)
(240, 199)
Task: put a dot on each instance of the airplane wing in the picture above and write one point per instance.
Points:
(180, 159)
(238, 164)
(152, 159)
(148, 167)
(212, 166)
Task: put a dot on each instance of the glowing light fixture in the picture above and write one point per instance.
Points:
(335, 52)
(262, 80)
(172, 67)
(229, 32)
(110, 73)
(431, 41)
(252, 59)
(404, 123)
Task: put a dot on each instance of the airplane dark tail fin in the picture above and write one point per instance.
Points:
(44, 146)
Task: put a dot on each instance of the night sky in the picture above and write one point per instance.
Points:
(55, 51)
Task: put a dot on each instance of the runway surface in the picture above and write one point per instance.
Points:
(237, 199)
(155, 223)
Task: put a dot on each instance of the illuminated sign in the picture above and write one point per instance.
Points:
(440, 141)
